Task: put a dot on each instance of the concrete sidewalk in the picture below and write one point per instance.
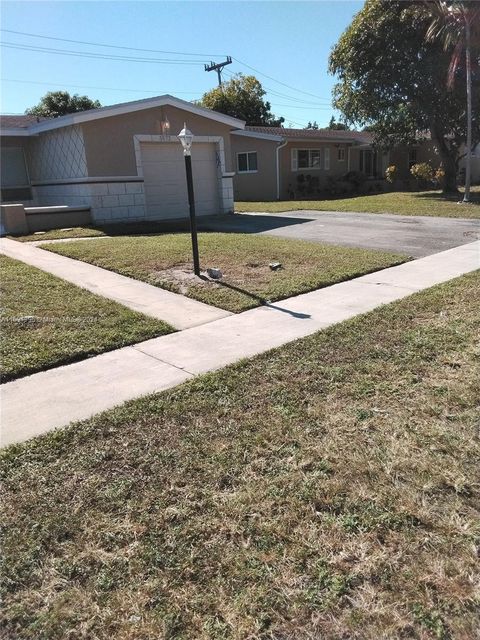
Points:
(43, 401)
(179, 311)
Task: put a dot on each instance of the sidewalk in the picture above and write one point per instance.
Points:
(44, 401)
(178, 311)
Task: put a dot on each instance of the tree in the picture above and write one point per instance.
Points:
(390, 76)
(242, 97)
(59, 103)
(457, 24)
(312, 125)
(337, 126)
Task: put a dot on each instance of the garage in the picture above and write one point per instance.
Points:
(165, 184)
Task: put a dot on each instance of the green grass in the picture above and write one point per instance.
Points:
(425, 203)
(327, 489)
(243, 259)
(117, 229)
(46, 322)
(59, 234)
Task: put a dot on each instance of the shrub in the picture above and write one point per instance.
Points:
(390, 173)
(423, 172)
(356, 178)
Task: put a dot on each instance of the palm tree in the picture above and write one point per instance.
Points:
(457, 23)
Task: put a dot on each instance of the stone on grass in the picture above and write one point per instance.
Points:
(215, 274)
(275, 266)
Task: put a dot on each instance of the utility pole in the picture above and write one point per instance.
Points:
(218, 68)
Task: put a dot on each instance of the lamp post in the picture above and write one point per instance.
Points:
(186, 138)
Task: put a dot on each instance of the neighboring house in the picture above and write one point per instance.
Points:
(271, 162)
(123, 161)
(475, 165)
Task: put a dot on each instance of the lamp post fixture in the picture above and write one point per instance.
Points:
(186, 138)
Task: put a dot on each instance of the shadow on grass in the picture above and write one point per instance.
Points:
(236, 223)
(446, 197)
(263, 301)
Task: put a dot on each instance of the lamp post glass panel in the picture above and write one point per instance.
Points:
(186, 138)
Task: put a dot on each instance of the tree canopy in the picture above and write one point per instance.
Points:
(312, 125)
(59, 103)
(242, 97)
(337, 126)
(391, 76)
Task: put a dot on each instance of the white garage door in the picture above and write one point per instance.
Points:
(165, 181)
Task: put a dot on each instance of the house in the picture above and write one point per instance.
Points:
(273, 163)
(124, 161)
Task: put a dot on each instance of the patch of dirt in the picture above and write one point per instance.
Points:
(181, 277)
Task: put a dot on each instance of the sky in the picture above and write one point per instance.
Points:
(287, 43)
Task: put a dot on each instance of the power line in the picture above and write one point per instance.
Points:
(111, 46)
(285, 96)
(135, 59)
(292, 106)
(313, 95)
(83, 86)
(98, 56)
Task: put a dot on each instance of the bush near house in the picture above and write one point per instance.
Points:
(423, 173)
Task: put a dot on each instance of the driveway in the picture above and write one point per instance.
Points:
(414, 236)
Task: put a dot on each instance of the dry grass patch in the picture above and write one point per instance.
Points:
(327, 489)
(243, 258)
(423, 203)
(46, 322)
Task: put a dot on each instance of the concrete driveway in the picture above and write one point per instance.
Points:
(414, 236)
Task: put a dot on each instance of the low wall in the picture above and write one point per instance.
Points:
(109, 201)
(45, 218)
(19, 220)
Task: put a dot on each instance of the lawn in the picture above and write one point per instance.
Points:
(425, 203)
(327, 489)
(244, 260)
(47, 322)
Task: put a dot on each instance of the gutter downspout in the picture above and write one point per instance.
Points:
(280, 146)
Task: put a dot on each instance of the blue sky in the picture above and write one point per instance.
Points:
(288, 41)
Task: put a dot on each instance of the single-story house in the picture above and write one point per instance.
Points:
(125, 162)
(273, 162)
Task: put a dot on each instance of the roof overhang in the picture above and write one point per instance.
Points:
(129, 107)
(14, 131)
(261, 136)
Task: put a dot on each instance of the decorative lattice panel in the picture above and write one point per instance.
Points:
(58, 154)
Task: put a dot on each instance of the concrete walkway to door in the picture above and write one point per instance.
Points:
(180, 312)
(43, 401)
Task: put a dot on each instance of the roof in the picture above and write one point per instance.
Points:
(364, 137)
(18, 121)
(33, 127)
(245, 133)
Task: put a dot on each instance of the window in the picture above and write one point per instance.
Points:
(412, 158)
(341, 155)
(326, 157)
(247, 162)
(368, 163)
(14, 177)
(306, 159)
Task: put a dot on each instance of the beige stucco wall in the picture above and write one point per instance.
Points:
(261, 185)
(288, 178)
(425, 153)
(109, 145)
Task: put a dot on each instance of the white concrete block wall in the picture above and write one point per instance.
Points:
(226, 194)
(108, 201)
